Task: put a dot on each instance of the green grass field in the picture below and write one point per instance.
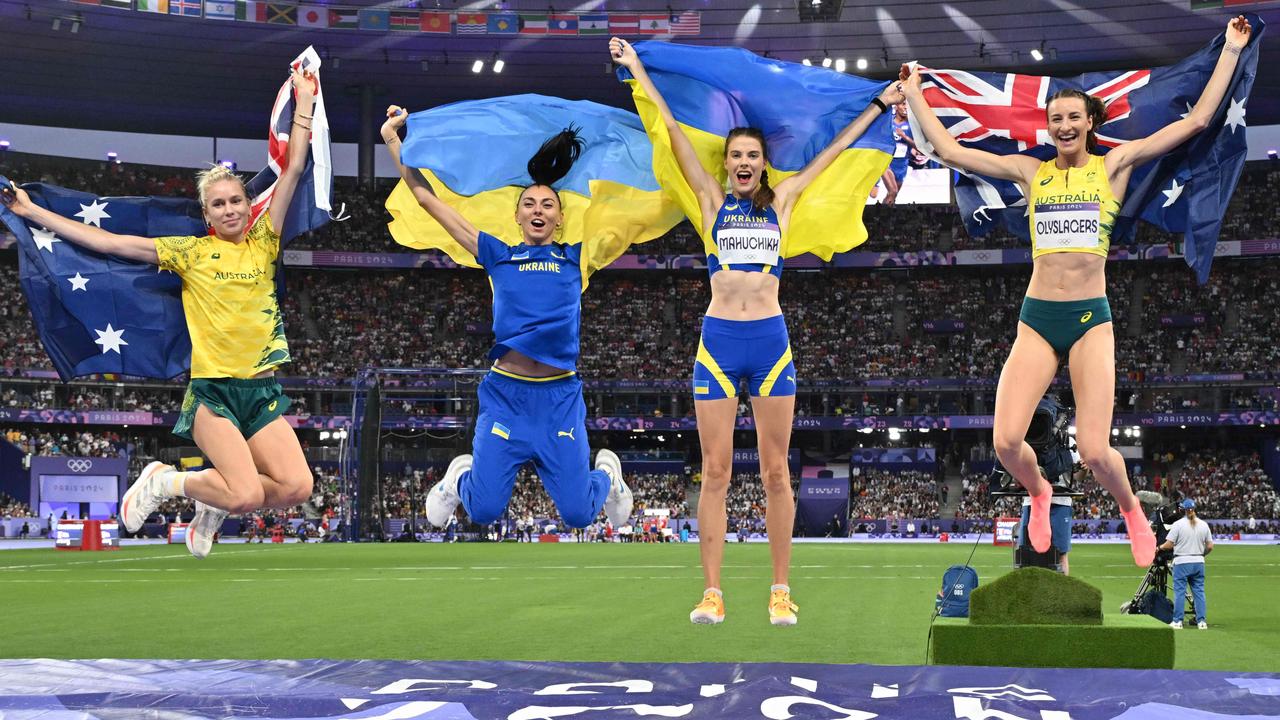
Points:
(859, 603)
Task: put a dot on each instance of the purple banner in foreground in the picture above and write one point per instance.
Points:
(372, 689)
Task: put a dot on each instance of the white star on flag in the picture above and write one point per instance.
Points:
(44, 239)
(110, 339)
(94, 213)
(1172, 193)
(1235, 115)
(78, 282)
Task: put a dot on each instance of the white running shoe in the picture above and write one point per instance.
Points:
(1202, 625)
(206, 523)
(617, 507)
(143, 497)
(443, 499)
(1176, 624)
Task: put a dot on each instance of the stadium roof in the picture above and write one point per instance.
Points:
(128, 70)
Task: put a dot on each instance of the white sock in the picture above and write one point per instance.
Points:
(173, 483)
(783, 588)
(713, 590)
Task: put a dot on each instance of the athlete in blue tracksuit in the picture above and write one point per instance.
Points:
(531, 405)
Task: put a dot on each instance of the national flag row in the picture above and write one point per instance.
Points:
(688, 22)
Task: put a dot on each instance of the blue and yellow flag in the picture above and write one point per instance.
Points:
(475, 154)
(800, 109)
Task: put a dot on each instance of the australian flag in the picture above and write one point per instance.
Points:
(1186, 191)
(100, 314)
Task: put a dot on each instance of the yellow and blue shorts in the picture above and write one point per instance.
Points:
(1061, 324)
(730, 350)
(524, 419)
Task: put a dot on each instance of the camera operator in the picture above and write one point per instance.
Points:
(1190, 540)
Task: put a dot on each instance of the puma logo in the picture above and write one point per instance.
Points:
(1086, 317)
(569, 434)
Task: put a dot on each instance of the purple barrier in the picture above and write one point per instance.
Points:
(524, 690)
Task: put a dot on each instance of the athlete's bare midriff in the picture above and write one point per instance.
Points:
(1061, 277)
(521, 364)
(739, 295)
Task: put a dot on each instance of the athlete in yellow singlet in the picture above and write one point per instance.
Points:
(234, 407)
(1073, 201)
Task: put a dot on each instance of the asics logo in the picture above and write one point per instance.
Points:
(1086, 317)
(79, 465)
(569, 434)
(1046, 181)
(272, 406)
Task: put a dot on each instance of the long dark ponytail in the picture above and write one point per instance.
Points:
(763, 196)
(554, 159)
(1093, 107)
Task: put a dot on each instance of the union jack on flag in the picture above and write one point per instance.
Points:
(1184, 192)
(311, 205)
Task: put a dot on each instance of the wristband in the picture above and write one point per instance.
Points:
(880, 104)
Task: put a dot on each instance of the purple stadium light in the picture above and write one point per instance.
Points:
(4, 145)
(112, 156)
(1270, 153)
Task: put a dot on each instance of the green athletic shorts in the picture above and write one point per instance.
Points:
(249, 404)
(1063, 323)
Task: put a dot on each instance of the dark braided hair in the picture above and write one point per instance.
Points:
(1093, 107)
(763, 196)
(554, 159)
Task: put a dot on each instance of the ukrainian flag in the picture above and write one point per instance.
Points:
(801, 109)
(474, 155)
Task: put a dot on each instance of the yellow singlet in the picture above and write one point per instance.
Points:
(1072, 210)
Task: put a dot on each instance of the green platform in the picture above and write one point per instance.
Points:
(1037, 618)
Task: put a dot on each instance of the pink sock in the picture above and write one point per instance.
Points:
(1038, 528)
(1142, 542)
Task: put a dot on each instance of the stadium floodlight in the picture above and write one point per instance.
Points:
(498, 65)
(1115, 432)
(112, 156)
(895, 434)
(4, 145)
(1036, 54)
(808, 62)
(477, 66)
(324, 434)
(840, 65)
(862, 63)
(1270, 153)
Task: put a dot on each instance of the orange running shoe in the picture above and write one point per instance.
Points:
(710, 611)
(781, 610)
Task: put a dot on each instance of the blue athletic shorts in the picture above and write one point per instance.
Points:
(538, 419)
(730, 350)
(1059, 523)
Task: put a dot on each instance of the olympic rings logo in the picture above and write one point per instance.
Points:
(79, 465)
